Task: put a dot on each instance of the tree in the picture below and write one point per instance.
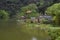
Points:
(55, 12)
(30, 7)
(4, 14)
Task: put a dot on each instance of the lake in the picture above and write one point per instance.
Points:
(10, 30)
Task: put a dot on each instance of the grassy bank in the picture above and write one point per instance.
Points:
(41, 30)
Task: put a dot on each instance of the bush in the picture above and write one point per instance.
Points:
(30, 7)
(55, 12)
(4, 14)
(58, 38)
(54, 34)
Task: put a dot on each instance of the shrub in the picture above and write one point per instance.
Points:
(58, 38)
(30, 7)
(55, 12)
(4, 14)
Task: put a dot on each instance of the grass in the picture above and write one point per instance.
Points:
(41, 30)
(34, 28)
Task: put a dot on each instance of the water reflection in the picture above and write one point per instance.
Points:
(10, 30)
(34, 38)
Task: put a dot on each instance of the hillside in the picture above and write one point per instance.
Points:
(14, 5)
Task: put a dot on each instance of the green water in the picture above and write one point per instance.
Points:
(12, 31)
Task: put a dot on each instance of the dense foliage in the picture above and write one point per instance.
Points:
(55, 12)
(4, 14)
(30, 7)
(14, 5)
(20, 8)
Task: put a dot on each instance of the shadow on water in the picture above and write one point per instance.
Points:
(10, 30)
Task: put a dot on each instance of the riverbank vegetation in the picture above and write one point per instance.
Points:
(43, 22)
(55, 12)
(43, 30)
